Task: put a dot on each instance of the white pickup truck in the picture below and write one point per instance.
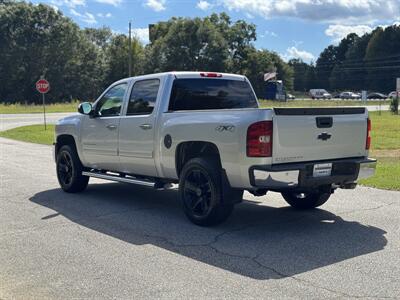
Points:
(206, 132)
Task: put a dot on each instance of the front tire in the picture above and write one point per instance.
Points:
(69, 170)
(201, 193)
(305, 200)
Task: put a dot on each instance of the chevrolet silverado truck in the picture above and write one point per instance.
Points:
(206, 132)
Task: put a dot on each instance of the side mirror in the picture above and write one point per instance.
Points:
(85, 108)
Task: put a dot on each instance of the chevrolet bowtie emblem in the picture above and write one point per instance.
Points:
(324, 136)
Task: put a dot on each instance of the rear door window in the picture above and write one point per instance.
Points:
(143, 97)
(204, 94)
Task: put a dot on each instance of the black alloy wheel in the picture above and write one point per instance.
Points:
(65, 168)
(69, 170)
(197, 192)
(201, 192)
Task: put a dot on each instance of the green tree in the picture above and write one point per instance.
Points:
(303, 75)
(382, 59)
(239, 37)
(118, 57)
(37, 40)
(259, 62)
(187, 44)
(337, 77)
(354, 72)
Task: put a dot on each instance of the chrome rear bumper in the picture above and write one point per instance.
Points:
(298, 174)
(367, 169)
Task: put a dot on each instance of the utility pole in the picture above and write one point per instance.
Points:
(130, 50)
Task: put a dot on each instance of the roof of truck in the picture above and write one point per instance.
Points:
(191, 74)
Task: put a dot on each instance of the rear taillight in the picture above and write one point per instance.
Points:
(259, 139)
(210, 74)
(368, 141)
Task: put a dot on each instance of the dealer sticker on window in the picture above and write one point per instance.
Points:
(321, 170)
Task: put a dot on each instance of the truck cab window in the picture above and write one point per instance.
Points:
(203, 94)
(143, 97)
(110, 104)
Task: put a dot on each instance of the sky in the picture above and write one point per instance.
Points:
(292, 28)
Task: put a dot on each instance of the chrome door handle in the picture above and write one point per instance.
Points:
(146, 126)
(111, 127)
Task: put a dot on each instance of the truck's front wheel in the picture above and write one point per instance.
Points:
(69, 170)
(306, 200)
(200, 190)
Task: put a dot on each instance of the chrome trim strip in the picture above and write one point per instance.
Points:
(118, 178)
(367, 169)
(277, 179)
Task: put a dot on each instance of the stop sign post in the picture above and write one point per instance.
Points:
(43, 86)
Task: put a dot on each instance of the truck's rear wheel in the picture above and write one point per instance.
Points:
(69, 170)
(306, 200)
(201, 193)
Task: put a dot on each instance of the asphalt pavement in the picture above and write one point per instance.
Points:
(122, 241)
(8, 121)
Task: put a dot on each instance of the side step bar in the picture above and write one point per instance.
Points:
(127, 179)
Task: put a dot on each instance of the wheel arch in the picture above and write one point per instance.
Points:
(192, 149)
(64, 139)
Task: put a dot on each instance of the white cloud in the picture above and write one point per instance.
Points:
(55, 7)
(348, 11)
(107, 15)
(338, 32)
(69, 3)
(249, 16)
(75, 3)
(142, 34)
(156, 5)
(293, 52)
(111, 2)
(203, 5)
(270, 33)
(85, 17)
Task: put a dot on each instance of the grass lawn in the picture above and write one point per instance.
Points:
(31, 133)
(27, 109)
(385, 131)
(72, 107)
(387, 174)
(385, 146)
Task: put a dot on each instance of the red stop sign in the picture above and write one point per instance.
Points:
(42, 86)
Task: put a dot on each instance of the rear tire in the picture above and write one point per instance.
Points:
(69, 170)
(305, 200)
(201, 193)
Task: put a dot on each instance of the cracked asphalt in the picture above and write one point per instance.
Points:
(122, 241)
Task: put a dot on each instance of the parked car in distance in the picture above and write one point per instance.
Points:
(393, 94)
(290, 96)
(206, 132)
(377, 96)
(320, 94)
(349, 95)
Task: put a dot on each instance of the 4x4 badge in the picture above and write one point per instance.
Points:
(222, 128)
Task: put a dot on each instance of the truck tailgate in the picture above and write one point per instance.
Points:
(312, 134)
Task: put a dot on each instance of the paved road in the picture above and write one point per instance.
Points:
(8, 121)
(122, 241)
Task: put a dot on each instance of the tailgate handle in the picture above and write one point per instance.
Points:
(324, 122)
